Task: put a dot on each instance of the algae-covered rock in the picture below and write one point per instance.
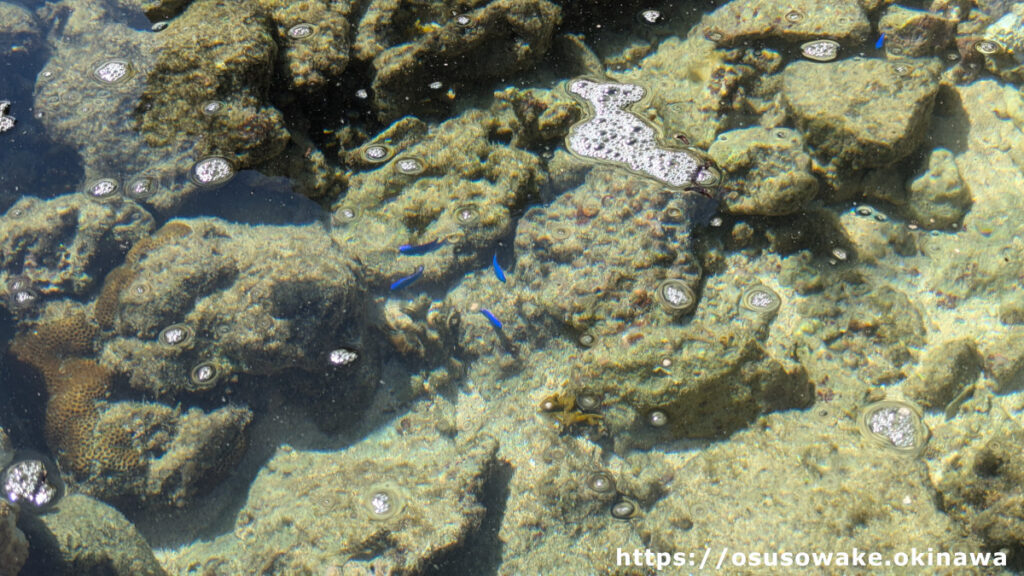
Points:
(396, 501)
(813, 479)
(62, 244)
(679, 383)
(18, 27)
(494, 40)
(597, 256)
(982, 489)
(86, 536)
(313, 40)
(256, 300)
(1004, 360)
(913, 33)
(202, 60)
(796, 20)
(938, 198)
(451, 185)
(13, 544)
(1005, 57)
(768, 171)
(946, 370)
(876, 326)
(849, 126)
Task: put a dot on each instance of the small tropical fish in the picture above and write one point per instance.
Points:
(420, 249)
(406, 281)
(492, 318)
(880, 42)
(497, 268)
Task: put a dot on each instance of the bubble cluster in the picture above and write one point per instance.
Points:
(601, 482)
(760, 300)
(6, 122)
(204, 376)
(176, 336)
(33, 481)
(344, 215)
(609, 133)
(624, 509)
(376, 153)
(301, 31)
(113, 71)
(212, 107)
(651, 16)
(987, 47)
(20, 293)
(895, 425)
(820, 50)
(676, 295)
(103, 190)
(467, 215)
(140, 188)
(410, 166)
(342, 357)
(384, 502)
(212, 171)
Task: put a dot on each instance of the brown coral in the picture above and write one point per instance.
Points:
(74, 384)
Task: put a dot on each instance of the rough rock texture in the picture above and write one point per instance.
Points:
(938, 198)
(768, 171)
(946, 370)
(310, 511)
(230, 64)
(18, 27)
(13, 544)
(596, 255)
(60, 245)
(85, 536)
(260, 301)
(502, 37)
(797, 20)
(464, 197)
(709, 384)
(848, 126)
(127, 451)
(310, 62)
(981, 488)
(914, 33)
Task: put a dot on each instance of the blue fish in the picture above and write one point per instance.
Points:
(492, 318)
(420, 249)
(497, 268)
(404, 282)
(880, 42)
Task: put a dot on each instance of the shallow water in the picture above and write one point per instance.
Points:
(511, 288)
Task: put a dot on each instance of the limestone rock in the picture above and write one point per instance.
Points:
(768, 171)
(938, 198)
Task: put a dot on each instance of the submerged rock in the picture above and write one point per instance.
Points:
(938, 199)
(86, 536)
(768, 171)
(847, 125)
(396, 503)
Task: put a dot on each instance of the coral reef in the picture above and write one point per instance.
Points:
(118, 450)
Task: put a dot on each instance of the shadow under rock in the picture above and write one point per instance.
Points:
(480, 553)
